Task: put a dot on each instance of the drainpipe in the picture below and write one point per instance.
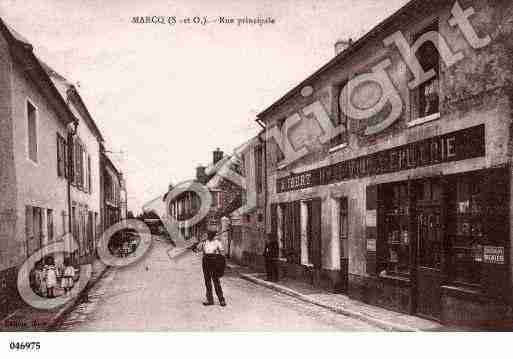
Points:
(72, 130)
(265, 169)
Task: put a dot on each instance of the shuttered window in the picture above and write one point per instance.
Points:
(314, 244)
(61, 156)
(292, 232)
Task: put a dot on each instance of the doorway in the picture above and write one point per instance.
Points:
(430, 236)
(343, 240)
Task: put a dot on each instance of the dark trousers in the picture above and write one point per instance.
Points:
(271, 268)
(208, 274)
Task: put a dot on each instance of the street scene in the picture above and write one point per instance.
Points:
(162, 294)
(338, 166)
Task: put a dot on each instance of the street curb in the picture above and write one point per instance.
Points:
(71, 304)
(347, 312)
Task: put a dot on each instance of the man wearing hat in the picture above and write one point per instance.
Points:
(212, 248)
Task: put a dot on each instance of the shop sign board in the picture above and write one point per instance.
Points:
(454, 146)
(493, 255)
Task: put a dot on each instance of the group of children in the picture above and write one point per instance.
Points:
(47, 277)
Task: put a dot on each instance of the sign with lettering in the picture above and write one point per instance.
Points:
(454, 146)
(493, 255)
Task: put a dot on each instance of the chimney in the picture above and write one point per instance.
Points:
(218, 155)
(341, 45)
(200, 174)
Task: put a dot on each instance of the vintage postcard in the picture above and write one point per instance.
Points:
(284, 166)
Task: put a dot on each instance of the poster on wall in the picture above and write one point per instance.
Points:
(493, 255)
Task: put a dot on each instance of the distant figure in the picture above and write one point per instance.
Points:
(271, 254)
(211, 248)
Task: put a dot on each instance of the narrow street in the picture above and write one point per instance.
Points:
(158, 293)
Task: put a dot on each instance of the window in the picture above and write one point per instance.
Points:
(426, 99)
(465, 228)
(32, 131)
(396, 217)
(89, 184)
(49, 224)
(291, 231)
(259, 168)
(81, 167)
(339, 117)
(62, 160)
(33, 229)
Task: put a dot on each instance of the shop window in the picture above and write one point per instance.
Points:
(426, 99)
(396, 254)
(429, 223)
(465, 229)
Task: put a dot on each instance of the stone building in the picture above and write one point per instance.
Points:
(112, 192)
(37, 107)
(388, 175)
(247, 236)
(226, 197)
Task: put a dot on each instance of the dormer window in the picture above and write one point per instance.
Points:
(426, 97)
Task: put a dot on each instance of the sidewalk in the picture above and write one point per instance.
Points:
(31, 319)
(342, 304)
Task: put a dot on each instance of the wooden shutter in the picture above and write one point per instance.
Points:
(296, 231)
(59, 156)
(371, 207)
(89, 185)
(315, 232)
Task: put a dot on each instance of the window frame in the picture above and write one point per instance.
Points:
(415, 94)
(62, 154)
(29, 102)
(340, 141)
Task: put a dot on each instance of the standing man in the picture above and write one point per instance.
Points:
(212, 248)
(271, 254)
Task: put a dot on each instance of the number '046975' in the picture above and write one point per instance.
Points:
(25, 345)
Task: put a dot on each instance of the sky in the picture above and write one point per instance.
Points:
(166, 96)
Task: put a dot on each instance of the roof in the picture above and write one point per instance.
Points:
(58, 84)
(22, 51)
(110, 163)
(66, 88)
(376, 31)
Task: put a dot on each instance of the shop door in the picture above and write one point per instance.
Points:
(429, 252)
(343, 240)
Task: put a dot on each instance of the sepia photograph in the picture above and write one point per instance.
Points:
(291, 166)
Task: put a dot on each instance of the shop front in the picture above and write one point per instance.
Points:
(422, 228)
(445, 239)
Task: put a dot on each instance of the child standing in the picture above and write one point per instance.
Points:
(51, 278)
(67, 278)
